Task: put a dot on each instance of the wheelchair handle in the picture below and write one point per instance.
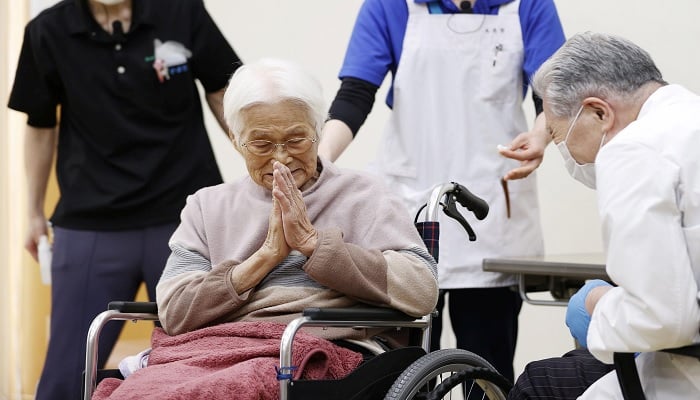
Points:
(473, 203)
(466, 198)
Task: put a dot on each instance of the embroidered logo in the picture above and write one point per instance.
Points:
(169, 58)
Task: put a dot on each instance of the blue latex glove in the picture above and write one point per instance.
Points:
(577, 318)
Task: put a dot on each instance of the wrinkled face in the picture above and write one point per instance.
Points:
(287, 130)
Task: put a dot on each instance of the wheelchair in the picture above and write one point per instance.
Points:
(628, 376)
(411, 372)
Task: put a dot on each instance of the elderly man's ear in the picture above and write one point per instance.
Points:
(603, 110)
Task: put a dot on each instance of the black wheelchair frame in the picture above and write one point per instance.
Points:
(628, 376)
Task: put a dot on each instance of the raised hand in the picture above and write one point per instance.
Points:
(528, 148)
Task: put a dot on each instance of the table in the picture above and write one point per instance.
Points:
(560, 274)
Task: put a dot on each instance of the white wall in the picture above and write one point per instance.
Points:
(315, 33)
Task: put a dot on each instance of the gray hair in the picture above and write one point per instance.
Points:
(593, 64)
(270, 81)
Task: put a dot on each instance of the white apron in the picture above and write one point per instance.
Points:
(457, 95)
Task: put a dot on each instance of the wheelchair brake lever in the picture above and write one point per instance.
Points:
(451, 210)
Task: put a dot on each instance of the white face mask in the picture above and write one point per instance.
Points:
(584, 173)
(110, 2)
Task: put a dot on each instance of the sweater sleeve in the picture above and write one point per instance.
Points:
(373, 254)
(403, 279)
(190, 293)
(375, 257)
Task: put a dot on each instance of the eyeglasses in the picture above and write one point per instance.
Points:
(265, 147)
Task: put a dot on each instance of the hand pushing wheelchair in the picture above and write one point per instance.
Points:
(411, 372)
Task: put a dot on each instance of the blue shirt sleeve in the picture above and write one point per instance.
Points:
(542, 34)
(376, 41)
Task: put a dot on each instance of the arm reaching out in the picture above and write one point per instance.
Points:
(528, 148)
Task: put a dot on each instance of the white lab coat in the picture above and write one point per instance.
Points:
(458, 93)
(648, 184)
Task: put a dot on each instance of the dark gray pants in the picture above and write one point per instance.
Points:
(89, 269)
(562, 378)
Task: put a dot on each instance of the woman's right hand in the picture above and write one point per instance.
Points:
(275, 243)
(300, 234)
(272, 252)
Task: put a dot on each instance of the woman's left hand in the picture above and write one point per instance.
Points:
(298, 230)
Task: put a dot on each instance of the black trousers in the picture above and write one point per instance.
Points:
(484, 321)
(89, 269)
(561, 378)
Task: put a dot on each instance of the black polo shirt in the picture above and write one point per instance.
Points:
(131, 148)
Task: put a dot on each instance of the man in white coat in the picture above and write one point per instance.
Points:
(627, 133)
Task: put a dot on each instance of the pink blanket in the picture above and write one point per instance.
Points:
(232, 360)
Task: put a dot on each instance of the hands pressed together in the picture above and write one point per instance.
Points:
(290, 227)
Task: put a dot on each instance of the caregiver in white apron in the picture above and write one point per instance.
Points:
(457, 95)
(478, 83)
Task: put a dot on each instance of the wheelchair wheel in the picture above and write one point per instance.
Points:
(435, 375)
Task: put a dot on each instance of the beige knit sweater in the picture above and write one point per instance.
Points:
(368, 252)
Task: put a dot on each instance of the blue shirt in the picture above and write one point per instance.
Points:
(377, 38)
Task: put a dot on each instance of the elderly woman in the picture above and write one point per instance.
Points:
(296, 233)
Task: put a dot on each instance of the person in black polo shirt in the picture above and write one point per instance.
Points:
(131, 145)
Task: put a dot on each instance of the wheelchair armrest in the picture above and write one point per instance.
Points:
(356, 314)
(627, 374)
(133, 307)
(355, 317)
(116, 310)
(692, 350)
(628, 377)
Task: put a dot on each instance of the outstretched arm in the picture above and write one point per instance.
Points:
(528, 148)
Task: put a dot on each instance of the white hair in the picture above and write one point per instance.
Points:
(593, 64)
(269, 81)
